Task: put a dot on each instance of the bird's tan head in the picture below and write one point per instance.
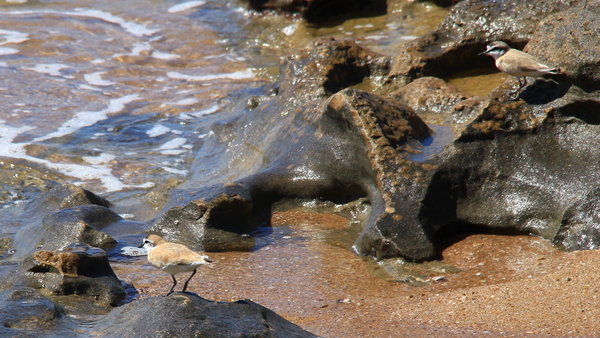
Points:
(151, 242)
(496, 49)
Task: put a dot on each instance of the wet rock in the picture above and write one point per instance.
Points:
(530, 166)
(66, 226)
(436, 100)
(187, 315)
(317, 11)
(217, 220)
(465, 32)
(580, 227)
(575, 53)
(24, 312)
(79, 269)
(287, 144)
(328, 66)
(62, 197)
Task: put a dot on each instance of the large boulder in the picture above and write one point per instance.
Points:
(188, 315)
(59, 217)
(66, 226)
(78, 269)
(24, 312)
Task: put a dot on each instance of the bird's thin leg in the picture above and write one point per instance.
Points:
(172, 287)
(186, 282)
(515, 94)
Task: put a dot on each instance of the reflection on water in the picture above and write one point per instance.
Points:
(477, 82)
(429, 147)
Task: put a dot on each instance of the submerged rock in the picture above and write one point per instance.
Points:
(188, 315)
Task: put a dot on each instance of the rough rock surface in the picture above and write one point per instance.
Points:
(188, 315)
(465, 32)
(26, 313)
(78, 269)
(61, 216)
(66, 226)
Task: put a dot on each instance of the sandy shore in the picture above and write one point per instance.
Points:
(509, 286)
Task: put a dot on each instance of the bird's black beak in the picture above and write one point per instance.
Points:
(141, 246)
(482, 53)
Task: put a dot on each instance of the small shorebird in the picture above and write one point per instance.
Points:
(517, 63)
(172, 258)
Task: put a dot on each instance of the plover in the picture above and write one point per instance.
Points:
(517, 63)
(172, 258)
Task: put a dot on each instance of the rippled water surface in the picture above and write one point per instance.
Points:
(118, 97)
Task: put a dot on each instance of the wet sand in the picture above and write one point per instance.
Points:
(509, 286)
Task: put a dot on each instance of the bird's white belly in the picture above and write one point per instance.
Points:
(174, 269)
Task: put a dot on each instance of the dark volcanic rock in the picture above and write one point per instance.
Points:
(79, 270)
(465, 32)
(187, 315)
(46, 224)
(580, 227)
(62, 197)
(66, 226)
(569, 39)
(26, 313)
(531, 166)
(216, 221)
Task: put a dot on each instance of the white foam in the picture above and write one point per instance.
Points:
(52, 69)
(131, 27)
(164, 56)
(103, 158)
(95, 79)
(173, 144)
(185, 102)
(8, 51)
(158, 130)
(185, 6)
(88, 118)
(13, 36)
(205, 111)
(176, 171)
(172, 152)
(244, 74)
(289, 30)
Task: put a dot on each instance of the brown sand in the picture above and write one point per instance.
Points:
(510, 286)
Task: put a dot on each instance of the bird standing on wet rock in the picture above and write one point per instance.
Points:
(172, 258)
(517, 63)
